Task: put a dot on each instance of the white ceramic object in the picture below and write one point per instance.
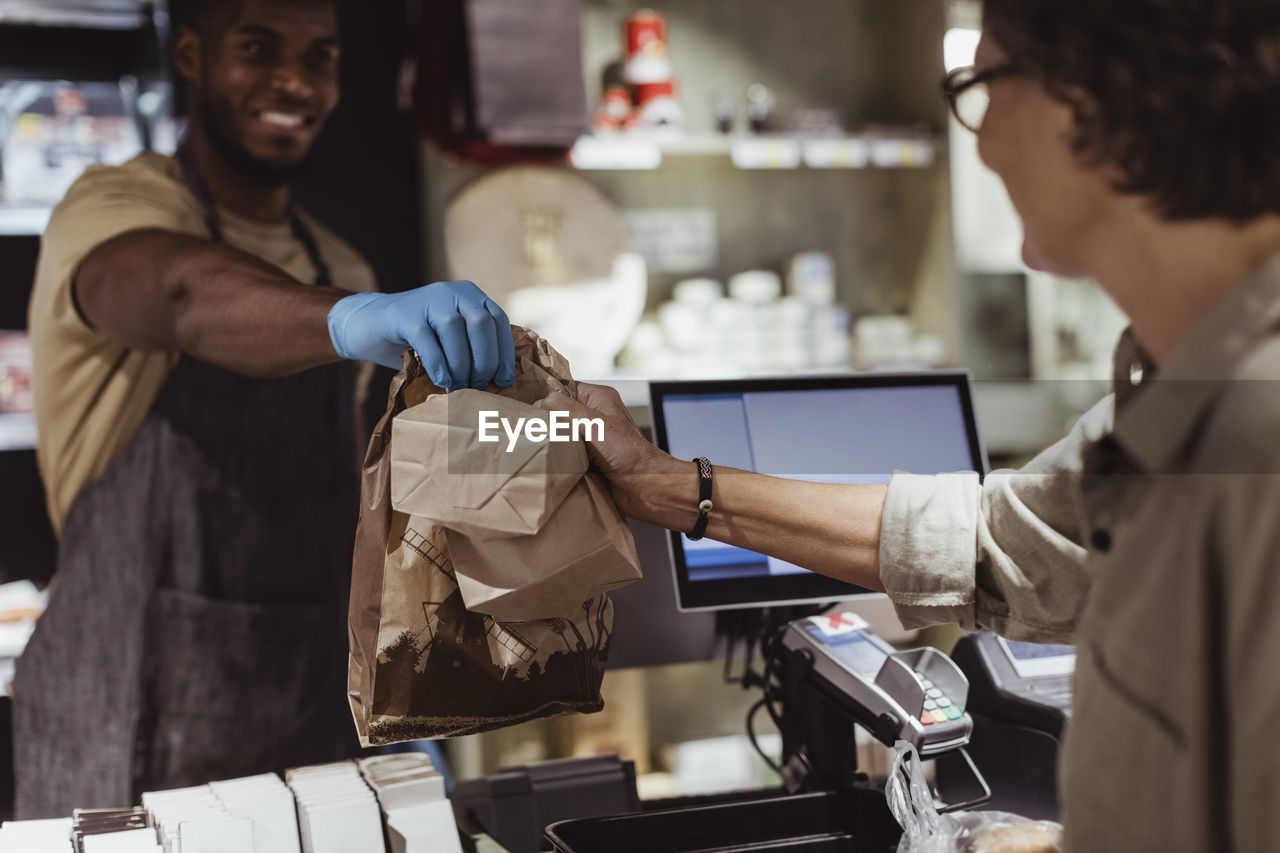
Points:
(588, 322)
(554, 253)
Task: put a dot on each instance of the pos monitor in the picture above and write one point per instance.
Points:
(837, 429)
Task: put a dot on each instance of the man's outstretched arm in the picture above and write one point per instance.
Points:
(160, 290)
(157, 289)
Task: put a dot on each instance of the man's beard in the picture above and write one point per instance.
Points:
(230, 149)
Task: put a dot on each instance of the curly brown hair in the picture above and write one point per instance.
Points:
(1183, 96)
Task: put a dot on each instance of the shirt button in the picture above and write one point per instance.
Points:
(1136, 372)
(1101, 539)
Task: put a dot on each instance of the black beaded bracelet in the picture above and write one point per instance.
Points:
(704, 498)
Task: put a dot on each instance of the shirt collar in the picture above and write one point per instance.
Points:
(1158, 416)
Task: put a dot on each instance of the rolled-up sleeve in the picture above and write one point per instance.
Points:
(1005, 554)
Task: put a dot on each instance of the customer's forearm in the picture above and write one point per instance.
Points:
(828, 528)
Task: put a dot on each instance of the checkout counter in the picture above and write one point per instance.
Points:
(992, 716)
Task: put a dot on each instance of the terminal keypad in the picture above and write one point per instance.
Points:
(938, 708)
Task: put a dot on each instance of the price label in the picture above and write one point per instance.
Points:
(765, 153)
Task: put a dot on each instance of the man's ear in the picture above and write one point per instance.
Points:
(186, 55)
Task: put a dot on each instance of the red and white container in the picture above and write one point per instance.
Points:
(657, 105)
(613, 111)
(647, 60)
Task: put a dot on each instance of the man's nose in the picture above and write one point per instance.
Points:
(291, 77)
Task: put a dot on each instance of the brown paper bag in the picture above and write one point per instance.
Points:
(575, 544)
(585, 548)
(441, 471)
(422, 663)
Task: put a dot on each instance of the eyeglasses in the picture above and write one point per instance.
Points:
(966, 92)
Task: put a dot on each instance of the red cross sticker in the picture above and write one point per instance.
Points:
(839, 623)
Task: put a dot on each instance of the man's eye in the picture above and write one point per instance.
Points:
(257, 49)
(322, 58)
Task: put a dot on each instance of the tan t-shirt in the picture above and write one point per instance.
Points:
(92, 393)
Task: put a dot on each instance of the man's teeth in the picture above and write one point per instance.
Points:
(284, 120)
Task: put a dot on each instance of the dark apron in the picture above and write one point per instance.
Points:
(197, 631)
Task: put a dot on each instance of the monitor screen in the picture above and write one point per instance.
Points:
(1033, 659)
(841, 429)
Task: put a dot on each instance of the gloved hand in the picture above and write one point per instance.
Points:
(461, 336)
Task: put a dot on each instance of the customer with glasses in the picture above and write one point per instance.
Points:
(1139, 141)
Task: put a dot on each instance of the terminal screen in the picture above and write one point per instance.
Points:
(854, 649)
(1034, 651)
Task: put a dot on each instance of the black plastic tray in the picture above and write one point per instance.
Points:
(852, 821)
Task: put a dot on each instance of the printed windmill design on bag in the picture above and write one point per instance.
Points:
(458, 663)
(507, 647)
(422, 546)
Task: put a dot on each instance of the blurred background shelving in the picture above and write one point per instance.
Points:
(763, 151)
(80, 82)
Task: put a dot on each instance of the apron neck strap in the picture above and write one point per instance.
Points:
(300, 230)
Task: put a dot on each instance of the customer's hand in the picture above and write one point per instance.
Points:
(461, 336)
(624, 456)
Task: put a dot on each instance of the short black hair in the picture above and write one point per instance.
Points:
(1183, 96)
(198, 15)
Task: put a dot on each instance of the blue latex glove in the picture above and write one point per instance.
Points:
(461, 336)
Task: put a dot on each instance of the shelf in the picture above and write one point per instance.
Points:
(23, 220)
(643, 152)
(109, 15)
(17, 432)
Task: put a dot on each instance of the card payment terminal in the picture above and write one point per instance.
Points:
(917, 695)
(1024, 683)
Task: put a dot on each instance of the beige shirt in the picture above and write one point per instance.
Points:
(1154, 545)
(91, 392)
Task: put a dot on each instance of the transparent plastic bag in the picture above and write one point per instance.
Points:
(925, 830)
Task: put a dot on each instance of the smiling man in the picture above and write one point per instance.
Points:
(192, 333)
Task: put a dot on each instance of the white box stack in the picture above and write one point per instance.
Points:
(411, 793)
(337, 813)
